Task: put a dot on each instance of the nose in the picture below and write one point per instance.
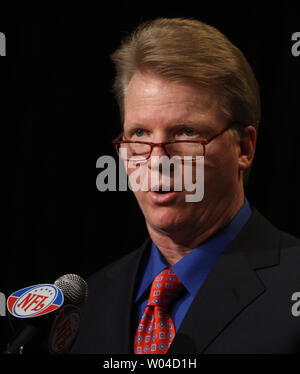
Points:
(158, 150)
(155, 159)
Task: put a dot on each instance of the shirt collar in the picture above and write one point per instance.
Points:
(193, 268)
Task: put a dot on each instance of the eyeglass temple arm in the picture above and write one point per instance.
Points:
(118, 137)
(231, 124)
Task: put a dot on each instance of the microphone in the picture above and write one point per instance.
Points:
(58, 321)
(74, 288)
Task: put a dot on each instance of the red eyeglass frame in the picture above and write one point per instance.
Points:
(116, 142)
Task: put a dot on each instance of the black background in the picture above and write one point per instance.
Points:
(59, 115)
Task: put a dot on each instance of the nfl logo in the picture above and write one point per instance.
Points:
(35, 301)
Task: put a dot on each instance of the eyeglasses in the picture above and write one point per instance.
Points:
(141, 151)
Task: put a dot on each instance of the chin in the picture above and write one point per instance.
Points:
(166, 218)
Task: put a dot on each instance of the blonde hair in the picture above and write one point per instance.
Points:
(188, 50)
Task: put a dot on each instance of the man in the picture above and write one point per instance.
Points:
(232, 277)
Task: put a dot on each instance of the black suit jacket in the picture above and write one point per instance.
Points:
(244, 305)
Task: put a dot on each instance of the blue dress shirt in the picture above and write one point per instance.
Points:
(192, 269)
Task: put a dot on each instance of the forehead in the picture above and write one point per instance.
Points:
(150, 99)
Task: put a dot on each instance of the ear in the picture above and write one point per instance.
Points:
(247, 145)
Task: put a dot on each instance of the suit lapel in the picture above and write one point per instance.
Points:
(231, 286)
(122, 282)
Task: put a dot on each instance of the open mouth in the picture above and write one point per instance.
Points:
(162, 191)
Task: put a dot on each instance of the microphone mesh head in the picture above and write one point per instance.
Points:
(74, 288)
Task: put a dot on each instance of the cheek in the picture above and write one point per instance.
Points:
(137, 175)
(223, 163)
(221, 177)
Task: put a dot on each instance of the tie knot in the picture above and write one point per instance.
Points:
(164, 289)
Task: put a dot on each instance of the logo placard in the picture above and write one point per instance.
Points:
(64, 330)
(34, 301)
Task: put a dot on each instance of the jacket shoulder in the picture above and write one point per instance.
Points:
(289, 241)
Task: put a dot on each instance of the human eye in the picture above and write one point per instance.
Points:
(136, 134)
(139, 133)
(188, 132)
(193, 132)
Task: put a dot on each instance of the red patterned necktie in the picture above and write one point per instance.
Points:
(156, 330)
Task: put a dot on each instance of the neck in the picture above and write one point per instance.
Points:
(175, 244)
